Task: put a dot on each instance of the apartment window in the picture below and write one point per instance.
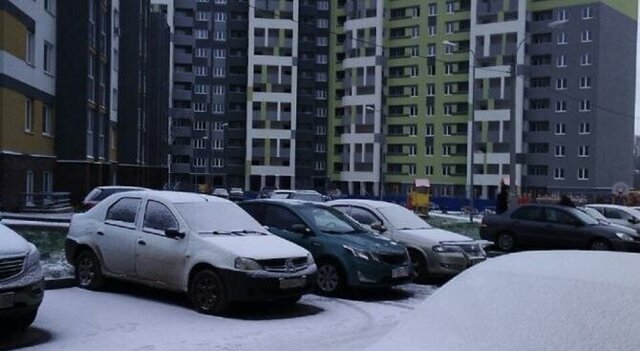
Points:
(447, 129)
(47, 181)
(48, 58)
(562, 38)
(583, 151)
(450, 29)
(585, 60)
(448, 109)
(220, 17)
(561, 61)
(202, 53)
(448, 49)
(583, 174)
(321, 130)
(219, 2)
(433, 9)
(448, 69)
(28, 115)
(205, 1)
(587, 13)
(411, 169)
(413, 130)
(218, 89)
(219, 36)
(562, 15)
(448, 89)
(321, 76)
(431, 90)
(446, 150)
(430, 110)
(446, 171)
(199, 107)
(559, 151)
(561, 129)
(322, 23)
(428, 170)
(413, 111)
(217, 145)
(218, 72)
(585, 82)
(202, 16)
(585, 105)
(31, 48)
(114, 99)
(200, 125)
(451, 7)
(321, 94)
(200, 70)
(319, 166)
(219, 53)
(202, 34)
(217, 108)
(29, 188)
(415, 32)
(199, 162)
(586, 36)
(432, 30)
(429, 150)
(49, 6)
(199, 143)
(412, 150)
(431, 50)
(321, 112)
(323, 5)
(561, 84)
(218, 126)
(320, 147)
(429, 130)
(321, 59)
(322, 41)
(217, 163)
(201, 89)
(558, 174)
(47, 120)
(415, 51)
(584, 128)
(561, 106)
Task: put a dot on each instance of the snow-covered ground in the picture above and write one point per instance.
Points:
(131, 318)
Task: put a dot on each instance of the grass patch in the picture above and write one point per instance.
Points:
(50, 243)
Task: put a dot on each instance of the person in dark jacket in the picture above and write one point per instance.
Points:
(566, 201)
(502, 201)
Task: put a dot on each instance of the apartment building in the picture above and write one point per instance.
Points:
(27, 100)
(249, 94)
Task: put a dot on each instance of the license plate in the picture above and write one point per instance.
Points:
(6, 300)
(400, 272)
(293, 283)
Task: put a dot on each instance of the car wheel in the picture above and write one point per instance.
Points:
(88, 271)
(419, 265)
(18, 325)
(330, 278)
(207, 293)
(506, 242)
(600, 245)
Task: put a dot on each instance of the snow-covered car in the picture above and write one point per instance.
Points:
(202, 245)
(433, 251)
(220, 192)
(618, 214)
(536, 300)
(21, 281)
(303, 195)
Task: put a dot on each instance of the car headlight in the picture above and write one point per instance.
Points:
(247, 264)
(33, 258)
(358, 253)
(310, 260)
(624, 236)
(445, 249)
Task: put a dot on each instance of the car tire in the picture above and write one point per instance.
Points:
(506, 242)
(89, 271)
(19, 325)
(207, 293)
(330, 279)
(419, 266)
(600, 245)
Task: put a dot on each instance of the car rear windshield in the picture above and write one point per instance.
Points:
(403, 219)
(218, 218)
(330, 220)
(585, 218)
(306, 197)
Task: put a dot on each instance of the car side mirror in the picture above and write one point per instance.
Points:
(633, 220)
(379, 227)
(301, 229)
(173, 233)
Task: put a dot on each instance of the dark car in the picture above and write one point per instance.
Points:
(102, 192)
(347, 254)
(555, 227)
(267, 191)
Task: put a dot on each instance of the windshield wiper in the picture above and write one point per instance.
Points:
(339, 232)
(244, 231)
(414, 228)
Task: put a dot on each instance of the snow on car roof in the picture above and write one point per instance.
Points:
(541, 300)
(180, 197)
(371, 203)
(121, 187)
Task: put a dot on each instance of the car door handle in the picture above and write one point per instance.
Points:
(142, 243)
(100, 233)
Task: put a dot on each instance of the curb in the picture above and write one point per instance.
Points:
(59, 283)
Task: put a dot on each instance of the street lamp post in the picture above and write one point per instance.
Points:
(473, 120)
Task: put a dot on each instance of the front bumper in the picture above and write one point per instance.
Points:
(372, 274)
(265, 286)
(449, 264)
(26, 300)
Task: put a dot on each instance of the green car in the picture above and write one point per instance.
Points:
(347, 255)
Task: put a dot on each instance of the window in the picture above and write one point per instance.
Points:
(428, 150)
(586, 36)
(560, 151)
(431, 90)
(218, 71)
(433, 9)
(529, 214)
(220, 2)
(412, 150)
(47, 181)
(322, 23)
(583, 151)
(323, 5)
(321, 112)
(585, 83)
(585, 105)
(448, 109)
(202, 16)
(562, 38)
(216, 163)
(46, 120)
(201, 89)
(446, 170)
(561, 84)
(447, 129)
(219, 36)
(29, 188)
(558, 216)
(561, 129)
(561, 61)
(202, 34)
(448, 69)
(220, 17)
(562, 15)
(218, 89)
(199, 144)
(319, 166)
(321, 76)
(322, 41)
(429, 130)
(124, 210)
(217, 108)
(280, 218)
(48, 57)
(49, 6)
(321, 59)
(587, 13)
(199, 162)
(450, 29)
(448, 49)
(28, 115)
(446, 150)
(432, 30)
(558, 174)
(364, 216)
(321, 94)
(584, 128)
(199, 107)
(200, 70)
(583, 174)
(561, 106)
(200, 125)
(585, 60)
(431, 50)
(321, 130)
(219, 53)
(428, 170)
(411, 169)
(202, 53)
(451, 7)
(157, 216)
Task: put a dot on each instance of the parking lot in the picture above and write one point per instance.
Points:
(134, 318)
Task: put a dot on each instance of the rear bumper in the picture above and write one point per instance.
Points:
(26, 300)
(265, 286)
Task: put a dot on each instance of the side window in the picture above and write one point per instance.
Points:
(280, 218)
(124, 210)
(158, 216)
(255, 211)
(529, 214)
(342, 208)
(615, 214)
(363, 216)
(559, 217)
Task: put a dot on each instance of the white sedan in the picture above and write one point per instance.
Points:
(202, 245)
(433, 251)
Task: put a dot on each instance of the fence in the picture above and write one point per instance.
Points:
(46, 202)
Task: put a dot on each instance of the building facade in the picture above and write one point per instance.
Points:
(27, 100)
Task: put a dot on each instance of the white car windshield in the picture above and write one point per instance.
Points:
(219, 218)
(330, 220)
(403, 219)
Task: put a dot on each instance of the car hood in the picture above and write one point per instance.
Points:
(369, 242)
(11, 243)
(430, 236)
(256, 247)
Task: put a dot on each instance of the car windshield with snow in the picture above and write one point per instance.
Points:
(202, 245)
(348, 255)
(433, 251)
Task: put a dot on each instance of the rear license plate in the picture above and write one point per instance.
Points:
(400, 272)
(293, 283)
(6, 300)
